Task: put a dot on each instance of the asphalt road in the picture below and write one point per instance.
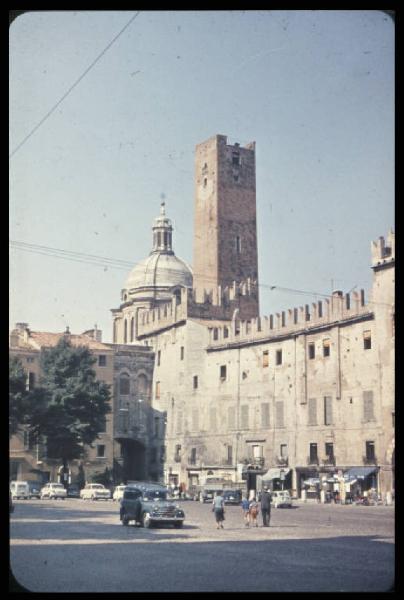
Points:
(81, 546)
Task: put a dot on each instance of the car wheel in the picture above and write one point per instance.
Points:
(178, 525)
(146, 521)
(52, 497)
(125, 520)
(93, 497)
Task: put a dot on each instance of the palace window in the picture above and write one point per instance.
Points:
(223, 372)
(326, 347)
(278, 355)
(124, 385)
(102, 360)
(195, 382)
(100, 450)
(312, 350)
(370, 450)
(313, 453)
(182, 353)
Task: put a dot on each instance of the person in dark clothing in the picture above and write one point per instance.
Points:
(266, 498)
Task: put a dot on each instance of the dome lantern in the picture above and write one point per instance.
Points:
(162, 233)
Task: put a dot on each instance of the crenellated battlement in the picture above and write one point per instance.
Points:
(383, 251)
(338, 307)
(219, 304)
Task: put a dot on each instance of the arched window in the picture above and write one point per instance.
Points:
(125, 332)
(142, 384)
(124, 384)
(132, 329)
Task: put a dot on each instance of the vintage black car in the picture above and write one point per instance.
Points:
(148, 505)
(232, 497)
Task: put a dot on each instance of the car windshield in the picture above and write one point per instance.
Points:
(97, 487)
(57, 485)
(155, 495)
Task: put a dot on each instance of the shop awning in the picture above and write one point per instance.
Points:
(274, 474)
(359, 472)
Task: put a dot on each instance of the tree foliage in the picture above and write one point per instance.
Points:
(22, 402)
(73, 403)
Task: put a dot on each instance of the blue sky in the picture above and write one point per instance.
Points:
(313, 89)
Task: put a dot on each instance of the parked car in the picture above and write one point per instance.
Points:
(73, 491)
(34, 489)
(19, 489)
(118, 492)
(53, 491)
(11, 502)
(281, 499)
(149, 505)
(232, 497)
(95, 491)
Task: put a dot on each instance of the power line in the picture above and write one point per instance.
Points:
(48, 114)
(121, 264)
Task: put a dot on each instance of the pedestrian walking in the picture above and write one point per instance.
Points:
(266, 498)
(218, 509)
(254, 511)
(245, 507)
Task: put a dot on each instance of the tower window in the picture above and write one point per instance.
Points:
(158, 357)
(223, 372)
(102, 360)
(278, 357)
(235, 159)
(326, 348)
(182, 353)
(312, 350)
(205, 181)
(195, 382)
(367, 340)
(236, 178)
(238, 244)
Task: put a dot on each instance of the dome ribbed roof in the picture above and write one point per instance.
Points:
(159, 270)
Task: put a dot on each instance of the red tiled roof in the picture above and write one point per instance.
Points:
(38, 339)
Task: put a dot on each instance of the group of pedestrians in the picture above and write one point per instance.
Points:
(251, 509)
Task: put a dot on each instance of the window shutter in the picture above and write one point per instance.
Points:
(265, 415)
(312, 411)
(368, 406)
(244, 416)
(279, 414)
(327, 410)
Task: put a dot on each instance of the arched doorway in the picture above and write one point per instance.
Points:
(133, 460)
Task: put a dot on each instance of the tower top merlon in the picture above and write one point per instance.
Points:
(383, 252)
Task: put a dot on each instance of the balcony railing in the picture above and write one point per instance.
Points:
(254, 461)
(328, 460)
(312, 460)
(282, 461)
(369, 460)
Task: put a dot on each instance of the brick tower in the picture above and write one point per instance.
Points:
(225, 228)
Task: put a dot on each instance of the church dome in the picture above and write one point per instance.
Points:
(161, 270)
